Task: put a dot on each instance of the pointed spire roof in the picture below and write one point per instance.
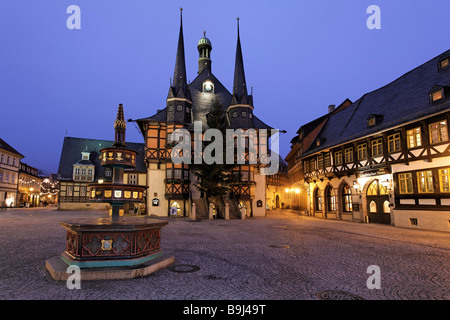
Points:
(239, 84)
(179, 75)
(120, 127)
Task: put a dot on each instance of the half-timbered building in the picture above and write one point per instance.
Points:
(386, 157)
(171, 187)
(80, 166)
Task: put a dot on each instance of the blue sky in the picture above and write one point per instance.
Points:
(299, 56)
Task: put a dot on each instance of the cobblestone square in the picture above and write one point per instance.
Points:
(279, 257)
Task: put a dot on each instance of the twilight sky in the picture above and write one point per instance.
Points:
(299, 56)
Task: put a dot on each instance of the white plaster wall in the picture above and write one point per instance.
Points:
(155, 179)
(260, 194)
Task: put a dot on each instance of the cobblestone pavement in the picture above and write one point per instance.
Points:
(282, 256)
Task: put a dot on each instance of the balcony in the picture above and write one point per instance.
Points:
(116, 193)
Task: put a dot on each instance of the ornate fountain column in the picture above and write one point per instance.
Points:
(117, 241)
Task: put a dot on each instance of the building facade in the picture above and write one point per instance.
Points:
(29, 187)
(9, 174)
(79, 166)
(171, 187)
(386, 157)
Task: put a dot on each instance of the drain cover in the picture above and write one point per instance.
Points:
(337, 295)
(183, 268)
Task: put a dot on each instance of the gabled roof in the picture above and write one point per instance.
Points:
(71, 154)
(7, 147)
(401, 101)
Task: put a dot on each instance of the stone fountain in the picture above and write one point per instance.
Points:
(118, 246)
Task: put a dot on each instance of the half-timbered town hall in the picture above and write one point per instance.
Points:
(171, 189)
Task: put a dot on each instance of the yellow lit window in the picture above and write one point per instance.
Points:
(362, 151)
(438, 131)
(377, 147)
(405, 182)
(413, 138)
(425, 181)
(320, 162)
(338, 158)
(444, 178)
(348, 155)
(394, 142)
(444, 63)
(436, 95)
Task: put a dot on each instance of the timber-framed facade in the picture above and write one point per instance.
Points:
(386, 157)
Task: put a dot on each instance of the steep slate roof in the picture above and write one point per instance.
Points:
(71, 154)
(399, 102)
(202, 103)
(7, 147)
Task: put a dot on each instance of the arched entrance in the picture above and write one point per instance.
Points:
(377, 197)
(175, 209)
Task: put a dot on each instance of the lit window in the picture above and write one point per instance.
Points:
(82, 191)
(425, 181)
(444, 63)
(371, 122)
(444, 178)
(362, 151)
(331, 199)
(438, 132)
(377, 147)
(69, 191)
(405, 182)
(348, 155)
(394, 142)
(320, 162)
(436, 95)
(312, 164)
(318, 201)
(347, 199)
(413, 138)
(327, 160)
(338, 158)
(133, 179)
(306, 166)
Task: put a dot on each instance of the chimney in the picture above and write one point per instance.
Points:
(331, 108)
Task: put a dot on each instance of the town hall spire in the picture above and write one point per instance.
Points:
(179, 84)
(240, 95)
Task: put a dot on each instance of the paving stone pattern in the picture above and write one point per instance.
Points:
(280, 257)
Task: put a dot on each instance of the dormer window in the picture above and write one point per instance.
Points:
(374, 119)
(436, 93)
(444, 63)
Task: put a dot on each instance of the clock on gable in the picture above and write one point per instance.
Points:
(208, 86)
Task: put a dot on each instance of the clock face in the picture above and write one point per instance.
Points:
(208, 86)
